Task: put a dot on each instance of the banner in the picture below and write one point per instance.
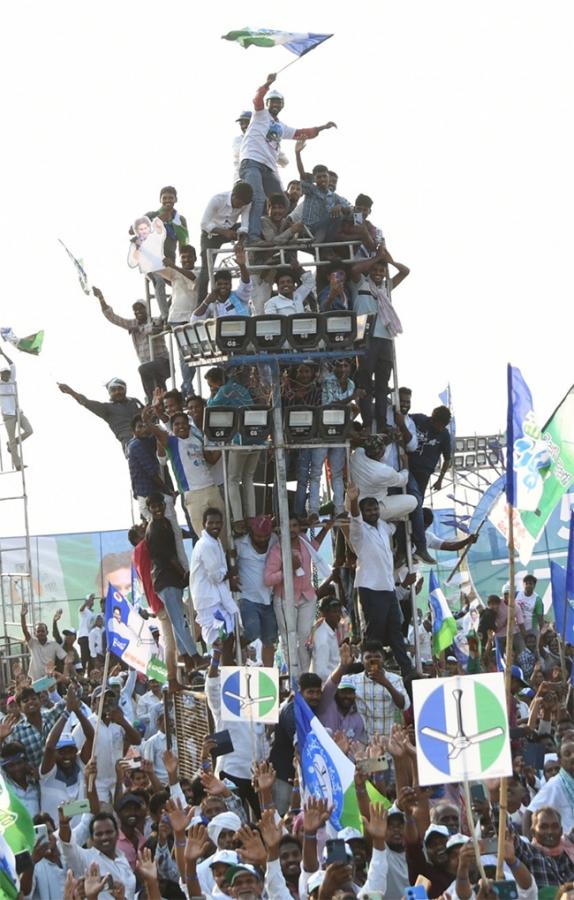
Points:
(462, 729)
(130, 638)
(16, 824)
(249, 694)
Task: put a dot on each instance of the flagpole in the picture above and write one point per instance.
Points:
(503, 801)
(562, 635)
(293, 61)
(100, 712)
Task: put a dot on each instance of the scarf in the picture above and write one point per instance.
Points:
(567, 785)
(323, 570)
(564, 846)
(387, 312)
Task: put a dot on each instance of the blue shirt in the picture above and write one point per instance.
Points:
(143, 465)
(318, 204)
(431, 445)
(233, 394)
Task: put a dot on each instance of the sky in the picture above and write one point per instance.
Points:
(455, 117)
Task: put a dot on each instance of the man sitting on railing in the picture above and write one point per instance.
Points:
(223, 301)
(289, 300)
(276, 229)
(323, 209)
(220, 225)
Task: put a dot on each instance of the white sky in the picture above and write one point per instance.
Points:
(454, 116)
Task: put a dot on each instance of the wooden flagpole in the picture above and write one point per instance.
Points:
(100, 711)
(503, 805)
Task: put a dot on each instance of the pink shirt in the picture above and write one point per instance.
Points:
(502, 618)
(127, 848)
(302, 584)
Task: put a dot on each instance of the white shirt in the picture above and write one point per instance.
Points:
(398, 873)
(48, 881)
(527, 605)
(553, 794)
(42, 655)
(153, 750)
(53, 792)
(325, 656)
(425, 640)
(251, 565)
(262, 140)
(96, 641)
(285, 306)
(208, 569)
(109, 748)
(87, 618)
(183, 296)
(434, 542)
(219, 213)
(372, 544)
(248, 739)
(373, 477)
(8, 393)
(187, 460)
(78, 859)
(229, 308)
(391, 457)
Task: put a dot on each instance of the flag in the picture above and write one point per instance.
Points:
(297, 43)
(8, 879)
(129, 636)
(443, 623)
(500, 656)
(563, 603)
(30, 344)
(556, 477)
(526, 453)
(16, 825)
(326, 772)
(81, 272)
(445, 398)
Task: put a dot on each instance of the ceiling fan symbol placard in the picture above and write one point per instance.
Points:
(462, 728)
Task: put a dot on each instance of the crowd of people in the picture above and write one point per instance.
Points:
(96, 764)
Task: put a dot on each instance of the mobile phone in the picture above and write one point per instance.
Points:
(23, 861)
(76, 808)
(108, 884)
(507, 890)
(478, 792)
(134, 762)
(418, 892)
(490, 846)
(41, 832)
(368, 766)
(358, 218)
(223, 742)
(336, 851)
(43, 684)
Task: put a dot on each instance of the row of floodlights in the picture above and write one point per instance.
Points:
(230, 335)
(300, 423)
(472, 444)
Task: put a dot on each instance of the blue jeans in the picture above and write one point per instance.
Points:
(258, 622)
(417, 520)
(172, 599)
(264, 182)
(336, 457)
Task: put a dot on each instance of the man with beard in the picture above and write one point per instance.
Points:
(337, 710)
(290, 857)
(549, 856)
(129, 810)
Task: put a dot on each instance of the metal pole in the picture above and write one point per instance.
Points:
(232, 555)
(284, 535)
(30, 598)
(149, 316)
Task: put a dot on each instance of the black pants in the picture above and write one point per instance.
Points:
(373, 376)
(383, 623)
(154, 374)
(84, 643)
(245, 791)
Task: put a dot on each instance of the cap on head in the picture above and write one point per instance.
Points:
(234, 871)
(261, 526)
(436, 829)
(66, 741)
(346, 684)
(245, 116)
(115, 382)
(274, 95)
(129, 798)
(457, 840)
(374, 444)
(226, 857)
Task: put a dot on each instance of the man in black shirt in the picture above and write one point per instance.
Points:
(118, 411)
(169, 576)
(281, 755)
(433, 442)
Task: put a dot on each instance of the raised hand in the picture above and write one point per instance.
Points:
(170, 762)
(70, 886)
(342, 742)
(7, 725)
(213, 785)
(376, 825)
(270, 831)
(252, 849)
(352, 492)
(178, 817)
(315, 813)
(263, 776)
(407, 800)
(145, 865)
(346, 655)
(93, 881)
(197, 843)
(271, 78)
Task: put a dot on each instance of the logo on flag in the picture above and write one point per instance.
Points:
(462, 729)
(249, 694)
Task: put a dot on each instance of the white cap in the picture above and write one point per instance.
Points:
(457, 840)
(274, 95)
(350, 834)
(550, 757)
(436, 829)
(229, 857)
(506, 588)
(315, 880)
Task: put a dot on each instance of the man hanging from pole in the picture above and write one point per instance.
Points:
(17, 425)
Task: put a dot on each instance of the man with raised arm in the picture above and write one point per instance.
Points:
(261, 147)
(118, 411)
